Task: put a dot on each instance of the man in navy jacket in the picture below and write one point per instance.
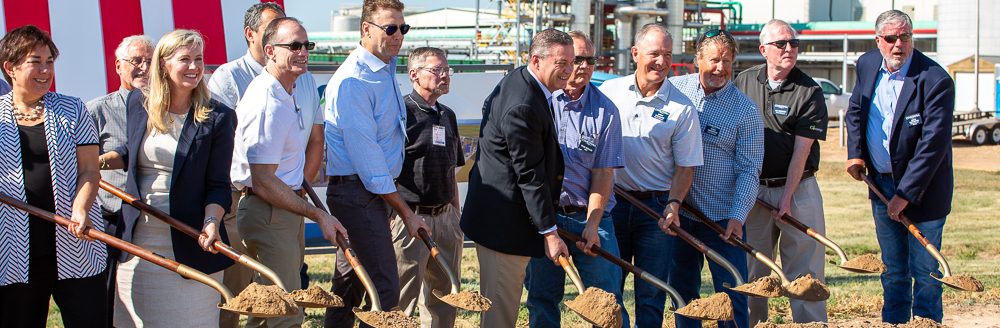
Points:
(899, 128)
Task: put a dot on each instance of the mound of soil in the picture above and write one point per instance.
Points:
(769, 286)
(807, 288)
(715, 307)
(472, 301)
(390, 319)
(919, 322)
(262, 301)
(597, 307)
(790, 325)
(316, 297)
(867, 262)
(964, 282)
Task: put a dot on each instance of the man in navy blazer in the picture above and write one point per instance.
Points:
(899, 129)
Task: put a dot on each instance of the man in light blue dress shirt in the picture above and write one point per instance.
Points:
(365, 137)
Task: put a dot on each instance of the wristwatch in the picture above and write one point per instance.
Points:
(673, 200)
(209, 219)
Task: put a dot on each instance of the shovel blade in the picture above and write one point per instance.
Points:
(386, 319)
(464, 300)
(964, 283)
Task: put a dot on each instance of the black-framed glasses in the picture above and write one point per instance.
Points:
(782, 43)
(905, 37)
(440, 71)
(297, 45)
(136, 61)
(591, 60)
(392, 28)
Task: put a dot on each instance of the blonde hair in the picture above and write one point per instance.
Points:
(158, 95)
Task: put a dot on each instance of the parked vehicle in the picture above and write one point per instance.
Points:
(836, 98)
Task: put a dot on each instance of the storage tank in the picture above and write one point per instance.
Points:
(957, 30)
(339, 23)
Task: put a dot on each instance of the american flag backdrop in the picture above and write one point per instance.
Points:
(87, 32)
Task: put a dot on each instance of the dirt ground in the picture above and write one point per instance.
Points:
(966, 156)
(956, 316)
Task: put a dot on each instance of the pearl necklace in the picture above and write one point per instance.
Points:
(32, 114)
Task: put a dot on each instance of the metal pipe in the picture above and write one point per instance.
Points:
(975, 66)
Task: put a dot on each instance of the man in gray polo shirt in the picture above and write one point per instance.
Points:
(794, 114)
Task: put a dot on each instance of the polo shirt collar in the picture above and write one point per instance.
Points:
(416, 98)
(370, 60)
(663, 92)
(785, 85)
(578, 104)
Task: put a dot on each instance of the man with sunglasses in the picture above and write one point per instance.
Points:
(899, 131)
(794, 114)
(590, 138)
(725, 187)
(662, 145)
(366, 139)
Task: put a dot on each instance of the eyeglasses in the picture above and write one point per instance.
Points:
(391, 29)
(591, 60)
(136, 61)
(440, 71)
(782, 43)
(296, 46)
(905, 37)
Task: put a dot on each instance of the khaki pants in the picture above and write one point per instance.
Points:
(237, 277)
(274, 237)
(419, 273)
(800, 254)
(501, 281)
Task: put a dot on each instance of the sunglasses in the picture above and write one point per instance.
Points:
(296, 46)
(391, 29)
(782, 43)
(716, 32)
(580, 59)
(905, 37)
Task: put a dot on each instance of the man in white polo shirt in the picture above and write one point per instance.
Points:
(268, 163)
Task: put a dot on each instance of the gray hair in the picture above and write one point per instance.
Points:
(583, 36)
(774, 25)
(252, 17)
(892, 16)
(122, 51)
(546, 39)
(419, 56)
(651, 27)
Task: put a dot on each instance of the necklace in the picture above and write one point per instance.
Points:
(32, 113)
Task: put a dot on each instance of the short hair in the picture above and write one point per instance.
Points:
(765, 32)
(19, 42)
(122, 51)
(546, 39)
(892, 16)
(723, 39)
(419, 56)
(369, 8)
(273, 26)
(651, 27)
(253, 15)
(581, 35)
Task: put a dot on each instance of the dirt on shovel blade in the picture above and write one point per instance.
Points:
(597, 307)
(769, 286)
(472, 301)
(807, 288)
(867, 262)
(716, 307)
(964, 283)
(262, 301)
(386, 319)
(316, 297)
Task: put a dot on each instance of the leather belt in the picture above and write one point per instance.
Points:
(571, 209)
(644, 195)
(338, 179)
(247, 191)
(780, 182)
(432, 210)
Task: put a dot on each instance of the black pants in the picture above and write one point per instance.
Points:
(82, 302)
(112, 221)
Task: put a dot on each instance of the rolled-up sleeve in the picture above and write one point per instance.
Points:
(354, 115)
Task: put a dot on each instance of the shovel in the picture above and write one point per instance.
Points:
(590, 299)
(966, 283)
(145, 254)
(844, 262)
(815, 291)
(459, 299)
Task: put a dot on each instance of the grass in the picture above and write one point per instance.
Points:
(971, 244)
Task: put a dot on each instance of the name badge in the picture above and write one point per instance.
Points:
(438, 135)
(587, 144)
(780, 110)
(913, 120)
(661, 114)
(712, 130)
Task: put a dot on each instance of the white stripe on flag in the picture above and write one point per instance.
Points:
(76, 30)
(157, 18)
(232, 22)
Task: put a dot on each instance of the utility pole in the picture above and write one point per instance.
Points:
(975, 69)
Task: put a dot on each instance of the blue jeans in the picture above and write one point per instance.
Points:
(643, 244)
(685, 273)
(545, 280)
(906, 259)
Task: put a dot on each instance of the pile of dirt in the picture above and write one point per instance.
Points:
(383, 319)
(316, 297)
(791, 325)
(597, 307)
(807, 288)
(920, 322)
(867, 262)
(715, 307)
(472, 301)
(262, 301)
(769, 286)
(964, 283)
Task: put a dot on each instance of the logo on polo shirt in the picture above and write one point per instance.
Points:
(780, 110)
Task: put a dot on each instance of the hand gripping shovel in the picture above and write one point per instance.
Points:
(376, 317)
(966, 283)
(804, 288)
(854, 265)
(181, 269)
(471, 301)
(594, 305)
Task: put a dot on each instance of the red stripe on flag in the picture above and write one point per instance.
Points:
(205, 16)
(119, 19)
(28, 12)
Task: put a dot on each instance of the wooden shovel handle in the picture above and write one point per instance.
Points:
(902, 218)
(683, 234)
(717, 227)
(571, 271)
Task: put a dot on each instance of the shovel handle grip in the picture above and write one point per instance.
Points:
(436, 254)
(571, 271)
(717, 227)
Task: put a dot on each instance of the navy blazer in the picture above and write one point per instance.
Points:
(920, 143)
(200, 177)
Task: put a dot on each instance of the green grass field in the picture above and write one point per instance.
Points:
(971, 244)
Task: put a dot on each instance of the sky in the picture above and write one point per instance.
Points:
(316, 13)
